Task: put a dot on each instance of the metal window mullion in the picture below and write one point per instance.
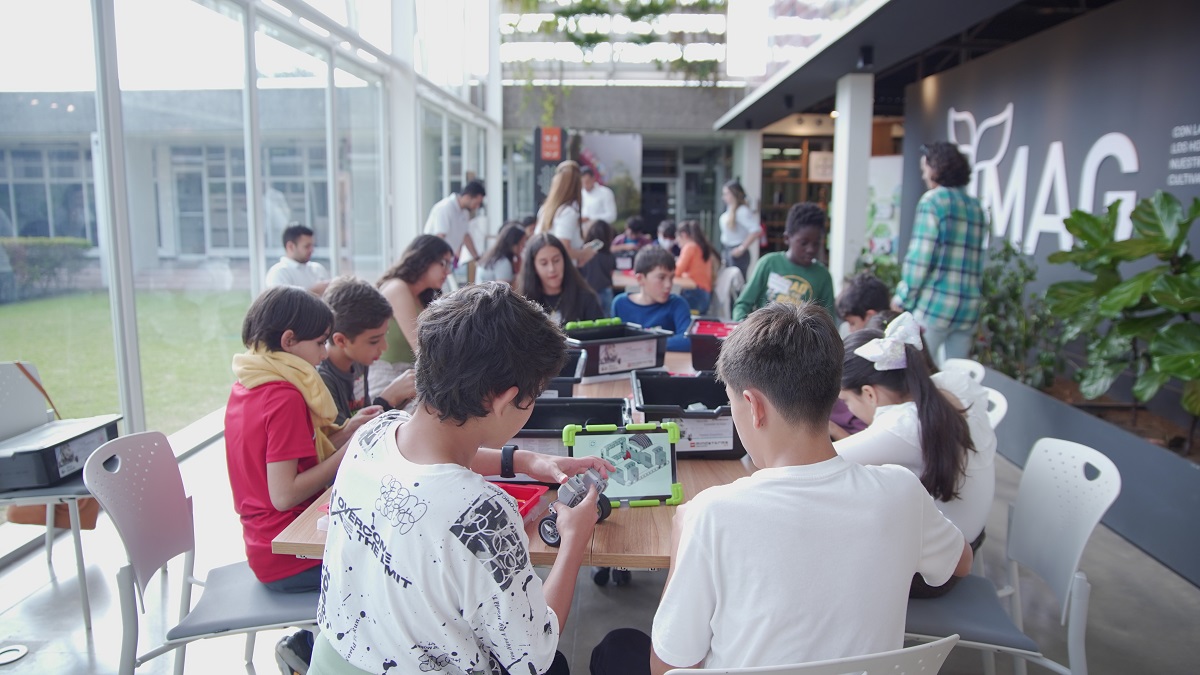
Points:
(109, 123)
(385, 174)
(331, 166)
(252, 153)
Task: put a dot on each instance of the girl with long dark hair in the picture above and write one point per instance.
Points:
(549, 279)
(409, 285)
(503, 259)
(935, 426)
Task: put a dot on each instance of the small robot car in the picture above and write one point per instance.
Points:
(571, 493)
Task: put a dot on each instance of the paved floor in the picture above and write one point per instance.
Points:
(1144, 619)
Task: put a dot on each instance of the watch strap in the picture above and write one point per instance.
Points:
(506, 461)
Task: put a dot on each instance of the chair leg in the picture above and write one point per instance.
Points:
(180, 655)
(50, 540)
(129, 620)
(81, 570)
(989, 662)
(249, 656)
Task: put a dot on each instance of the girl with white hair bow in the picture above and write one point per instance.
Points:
(934, 425)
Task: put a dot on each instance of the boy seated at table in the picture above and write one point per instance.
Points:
(359, 338)
(654, 305)
(861, 298)
(427, 564)
(794, 275)
(823, 547)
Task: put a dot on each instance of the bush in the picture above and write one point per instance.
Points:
(44, 264)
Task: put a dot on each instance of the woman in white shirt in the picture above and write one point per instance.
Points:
(935, 426)
(559, 214)
(739, 227)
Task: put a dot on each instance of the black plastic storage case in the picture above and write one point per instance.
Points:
(543, 432)
(563, 386)
(705, 345)
(706, 433)
(616, 347)
(53, 452)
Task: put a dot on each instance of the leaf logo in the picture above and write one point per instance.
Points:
(957, 121)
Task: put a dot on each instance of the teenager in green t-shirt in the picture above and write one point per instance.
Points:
(795, 275)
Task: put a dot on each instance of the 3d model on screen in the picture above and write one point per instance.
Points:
(635, 457)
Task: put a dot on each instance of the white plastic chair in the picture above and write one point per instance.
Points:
(136, 479)
(997, 407)
(924, 658)
(1065, 490)
(971, 367)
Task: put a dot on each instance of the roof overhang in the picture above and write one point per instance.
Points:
(895, 30)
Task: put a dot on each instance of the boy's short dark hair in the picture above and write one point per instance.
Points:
(863, 293)
(477, 342)
(950, 168)
(667, 229)
(293, 232)
(283, 308)
(793, 355)
(587, 171)
(357, 306)
(474, 189)
(650, 258)
(802, 215)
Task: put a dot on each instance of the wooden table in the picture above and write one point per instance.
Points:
(631, 537)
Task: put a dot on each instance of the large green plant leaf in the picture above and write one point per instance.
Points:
(1098, 377)
(1148, 384)
(1129, 292)
(1067, 298)
(1093, 231)
(1176, 351)
(1177, 293)
(1191, 397)
(1143, 326)
(1139, 247)
(1158, 216)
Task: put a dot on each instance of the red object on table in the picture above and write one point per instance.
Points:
(717, 329)
(527, 496)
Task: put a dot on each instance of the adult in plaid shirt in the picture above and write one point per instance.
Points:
(943, 268)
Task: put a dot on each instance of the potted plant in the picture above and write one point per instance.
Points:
(1018, 334)
(1144, 323)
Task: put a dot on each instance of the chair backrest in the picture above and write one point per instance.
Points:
(971, 367)
(997, 407)
(924, 658)
(1064, 492)
(136, 479)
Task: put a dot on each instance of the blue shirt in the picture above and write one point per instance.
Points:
(673, 315)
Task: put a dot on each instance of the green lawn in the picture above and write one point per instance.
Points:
(186, 340)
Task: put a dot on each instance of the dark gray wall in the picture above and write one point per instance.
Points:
(1128, 69)
(644, 110)
(1160, 492)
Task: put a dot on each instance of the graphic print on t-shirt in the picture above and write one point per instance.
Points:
(485, 529)
(791, 289)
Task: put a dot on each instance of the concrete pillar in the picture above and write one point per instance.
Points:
(851, 153)
(406, 221)
(494, 171)
(747, 167)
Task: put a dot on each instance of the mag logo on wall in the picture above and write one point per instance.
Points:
(1098, 109)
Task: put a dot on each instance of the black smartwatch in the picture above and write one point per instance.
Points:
(506, 461)
(382, 403)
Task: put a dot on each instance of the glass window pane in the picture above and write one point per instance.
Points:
(184, 85)
(27, 163)
(33, 213)
(360, 220)
(455, 131)
(293, 74)
(65, 164)
(431, 159)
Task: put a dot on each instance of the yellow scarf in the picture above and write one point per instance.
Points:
(260, 366)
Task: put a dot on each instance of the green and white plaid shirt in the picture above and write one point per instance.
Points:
(943, 268)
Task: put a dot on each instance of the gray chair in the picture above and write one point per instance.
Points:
(136, 479)
(925, 658)
(1065, 490)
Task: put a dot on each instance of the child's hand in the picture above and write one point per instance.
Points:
(363, 416)
(401, 389)
(575, 525)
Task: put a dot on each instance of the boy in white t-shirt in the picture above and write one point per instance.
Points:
(426, 566)
(809, 558)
